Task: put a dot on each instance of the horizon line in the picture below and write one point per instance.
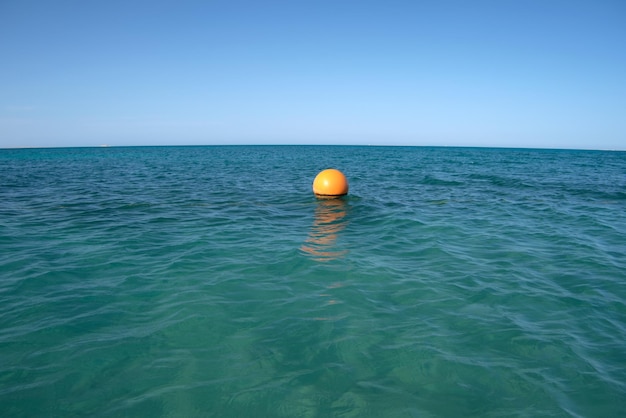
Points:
(311, 145)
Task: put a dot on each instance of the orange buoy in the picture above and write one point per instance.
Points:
(330, 184)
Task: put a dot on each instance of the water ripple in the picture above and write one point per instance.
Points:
(183, 282)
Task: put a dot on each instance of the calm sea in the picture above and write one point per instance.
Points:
(209, 282)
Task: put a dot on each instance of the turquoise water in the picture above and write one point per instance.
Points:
(208, 281)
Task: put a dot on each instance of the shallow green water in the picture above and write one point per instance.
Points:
(208, 281)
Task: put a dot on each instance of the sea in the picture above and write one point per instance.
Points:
(209, 281)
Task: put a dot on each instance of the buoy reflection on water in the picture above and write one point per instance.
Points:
(328, 223)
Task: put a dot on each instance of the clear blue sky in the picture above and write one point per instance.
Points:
(512, 73)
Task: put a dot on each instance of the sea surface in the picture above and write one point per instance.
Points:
(210, 282)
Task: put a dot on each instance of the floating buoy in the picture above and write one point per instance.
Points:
(330, 184)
